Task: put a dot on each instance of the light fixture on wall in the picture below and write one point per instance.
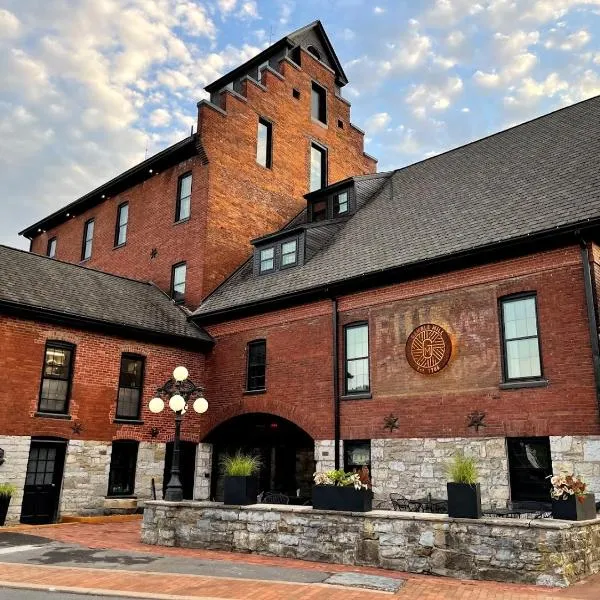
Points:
(178, 392)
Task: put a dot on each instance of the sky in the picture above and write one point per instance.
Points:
(89, 88)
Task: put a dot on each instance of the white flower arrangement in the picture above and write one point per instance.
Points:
(565, 485)
(340, 478)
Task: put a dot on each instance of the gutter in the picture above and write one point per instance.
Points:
(591, 305)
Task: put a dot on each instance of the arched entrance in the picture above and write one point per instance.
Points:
(285, 450)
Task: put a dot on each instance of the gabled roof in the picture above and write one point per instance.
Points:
(172, 155)
(540, 178)
(289, 41)
(47, 289)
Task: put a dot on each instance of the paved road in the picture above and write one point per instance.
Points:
(12, 594)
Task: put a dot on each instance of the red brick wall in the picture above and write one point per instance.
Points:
(465, 303)
(233, 198)
(95, 383)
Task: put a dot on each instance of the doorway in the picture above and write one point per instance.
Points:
(286, 453)
(43, 481)
(529, 466)
(187, 467)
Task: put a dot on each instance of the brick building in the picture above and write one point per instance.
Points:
(335, 315)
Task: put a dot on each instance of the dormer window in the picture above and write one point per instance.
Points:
(319, 210)
(340, 204)
(267, 260)
(289, 253)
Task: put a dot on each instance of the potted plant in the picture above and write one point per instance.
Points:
(464, 493)
(338, 490)
(569, 498)
(6, 492)
(241, 481)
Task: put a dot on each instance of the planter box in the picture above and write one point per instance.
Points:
(334, 497)
(4, 502)
(464, 500)
(240, 490)
(575, 509)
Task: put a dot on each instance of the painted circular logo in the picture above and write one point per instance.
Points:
(428, 349)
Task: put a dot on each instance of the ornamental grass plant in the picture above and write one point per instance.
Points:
(462, 469)
(240, 465)
(7, 490)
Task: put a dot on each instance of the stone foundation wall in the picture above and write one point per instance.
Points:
(13, 471)
(415, 467)
(580, 455)
(150, 465)
(203, 471)
(85, 481)
(542, 552)
(325, 455)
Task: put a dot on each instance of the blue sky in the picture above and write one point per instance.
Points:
(89, 87)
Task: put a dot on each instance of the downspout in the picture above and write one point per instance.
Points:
(590, 300)
(336, 381)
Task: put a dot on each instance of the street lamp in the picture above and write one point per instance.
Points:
(178, 391)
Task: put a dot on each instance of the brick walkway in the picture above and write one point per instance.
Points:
(125, 536)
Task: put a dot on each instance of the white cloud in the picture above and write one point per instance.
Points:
(530, 91)
(226, 6)
(377, 122)
(568, 43)
(248, 10)
(378, 10)
(438, 97)
(10, 26)
(160, 118)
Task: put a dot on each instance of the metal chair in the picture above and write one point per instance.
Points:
(401, 503)
(275, 498)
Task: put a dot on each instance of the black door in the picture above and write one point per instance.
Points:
(529, 465)
(187, 467)
(43, 481)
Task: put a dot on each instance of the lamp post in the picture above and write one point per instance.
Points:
(178, 391)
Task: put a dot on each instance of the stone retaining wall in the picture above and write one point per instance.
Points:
(13, 470)
(543, 552)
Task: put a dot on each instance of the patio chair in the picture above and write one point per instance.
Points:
(401, 503)
(275, 498)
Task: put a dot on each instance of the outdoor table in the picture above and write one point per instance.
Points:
(427, 504)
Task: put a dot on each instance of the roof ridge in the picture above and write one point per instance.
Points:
(496, 133)
(70, 264)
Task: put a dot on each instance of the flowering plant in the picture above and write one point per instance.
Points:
(565, 485)
(339, 477)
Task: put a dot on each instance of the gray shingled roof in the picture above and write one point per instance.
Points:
(38, 282)
(532, 178)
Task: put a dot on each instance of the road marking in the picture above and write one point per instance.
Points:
(18, 549)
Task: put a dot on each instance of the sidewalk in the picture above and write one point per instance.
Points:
(125, 537)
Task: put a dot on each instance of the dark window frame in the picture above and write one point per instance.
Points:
(85, 239)
(347, 327)
(142, 359)
(178, 299)
(125, 445)
(503, 340)
(335, 202)
(178, 217)
(57, 344)
(321, 92)
(118, 225)
(51, 241)
(324, 165)
(359, 442)
(296, 253)
(252, 344)
(269, 143)
(262, 271)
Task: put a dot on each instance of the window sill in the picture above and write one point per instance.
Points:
(320, 123)
(119, 246)
(128, 421)
(255, 392)
(517, 385)
(47, 415)
(120, 497)
(358, 396)
(181, 221)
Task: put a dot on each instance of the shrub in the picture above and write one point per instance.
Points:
(7, 490)
(462, 469)
(240, 465)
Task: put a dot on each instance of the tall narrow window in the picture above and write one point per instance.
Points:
(257, 364)
(340, 204)
(178, 282)
(56, 378)
(121, 227)
(267, 260)
(123, 460)
(318, 167)
(289, 253)
(319, 103)
(184, 195)
(264, 143)
(88, 238)
(319, 210)
(51, 249)
(521, 341)
(357, 358)
(131, 379)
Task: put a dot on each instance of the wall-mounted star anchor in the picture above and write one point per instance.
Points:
(154, 432)
(153, 253)
(390, 422)
(475, 419)
(77, 427)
